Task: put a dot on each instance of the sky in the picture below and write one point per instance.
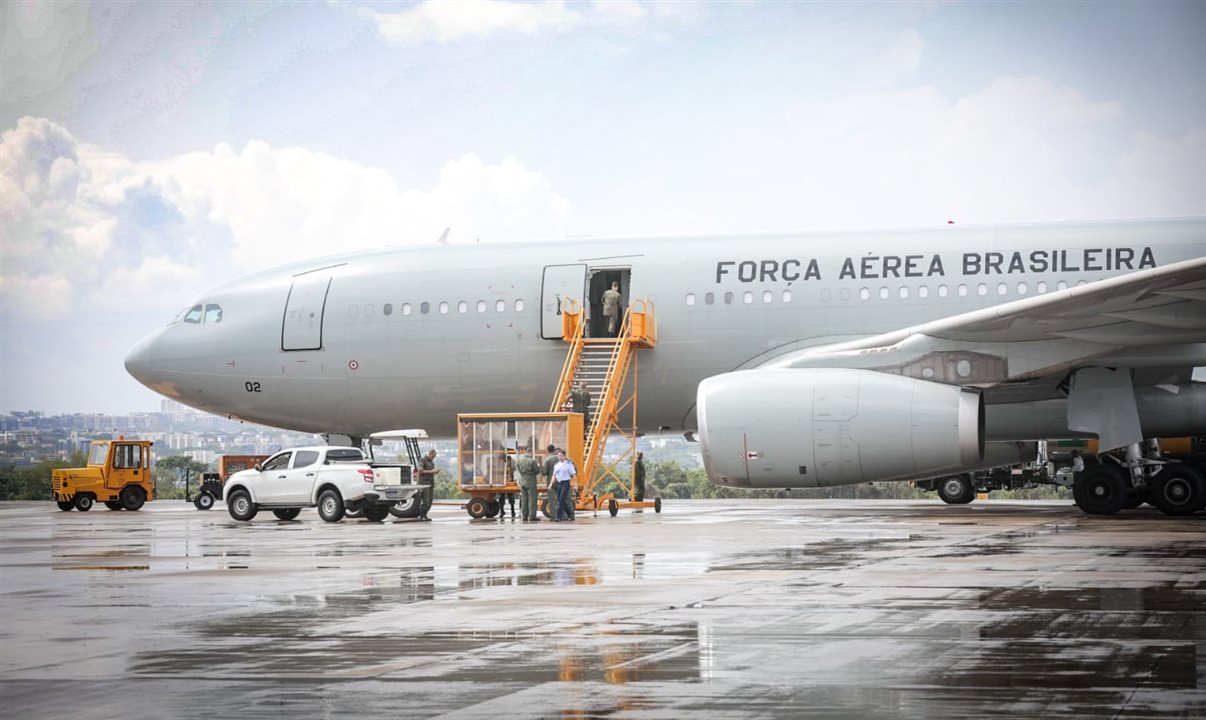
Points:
(152, 150)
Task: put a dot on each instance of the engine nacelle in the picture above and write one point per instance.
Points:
(823, 427)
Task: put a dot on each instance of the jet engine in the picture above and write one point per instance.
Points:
(824, 427)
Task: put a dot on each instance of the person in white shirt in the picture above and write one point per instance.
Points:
(563, 473)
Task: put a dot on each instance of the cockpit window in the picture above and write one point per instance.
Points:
(98, 454)
(213, 313)
(193, 315)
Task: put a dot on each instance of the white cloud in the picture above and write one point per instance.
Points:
(82, 227)
(453, 20)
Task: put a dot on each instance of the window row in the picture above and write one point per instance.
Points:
(424, 308)
(884, 293)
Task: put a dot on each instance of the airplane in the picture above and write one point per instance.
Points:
(795, 360)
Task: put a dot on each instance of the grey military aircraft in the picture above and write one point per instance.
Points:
(797, 360)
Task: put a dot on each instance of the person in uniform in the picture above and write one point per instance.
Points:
(563, 474)
(502, 497)
(611, 309)
(580, 403)
(550, 462)
(638, 478)
(427, 477)
(527, 469)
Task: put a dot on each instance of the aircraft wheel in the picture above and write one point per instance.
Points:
(65, 505)
(1100, 489)
(1134, 498)
(613, 507)
(240, 507)
(113, 505)
(477, 507)
(330, 506)
(376, 513)
(83, 503)
(1178, 490)
(408, 508)
(132, 497)
(657, 505)
(956, 490)
(286, 513)
(203, 501)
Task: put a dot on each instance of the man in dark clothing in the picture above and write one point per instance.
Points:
(550, 462)
(580, 403)
(427, 476)
(638, 478)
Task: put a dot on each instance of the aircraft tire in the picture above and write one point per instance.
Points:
(376, 513)
(286, 513)
(83, 503)
(330, 506)
(132, 497)
(1134, 498)
(477, 508)
(1100, 489)
(956, 490)
(1178, 490)
(65, 505)
(240, 507)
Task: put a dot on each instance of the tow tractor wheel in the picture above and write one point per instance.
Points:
(613, 507)
(376, 513)
(132, 497)
(956, 490)
(286, 513)
(203, 501)
(83, 503)
(477, 507)
(65, 505)
(408, 508)
(1100, 489)
(1178, 490)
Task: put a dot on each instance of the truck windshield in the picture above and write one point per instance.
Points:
(98, 454)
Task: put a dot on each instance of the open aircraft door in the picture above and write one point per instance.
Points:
(562, 283)
(302, 326)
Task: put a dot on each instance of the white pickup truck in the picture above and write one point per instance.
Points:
(333, 479)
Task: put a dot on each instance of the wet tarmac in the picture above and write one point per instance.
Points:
(717, 609)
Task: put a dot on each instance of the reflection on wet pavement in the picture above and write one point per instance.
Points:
(710, 609)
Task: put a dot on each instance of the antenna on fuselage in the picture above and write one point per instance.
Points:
(444, 236)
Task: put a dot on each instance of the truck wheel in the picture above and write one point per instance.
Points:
(83, 503)
(956, 490)
(113, 505)
(477, 508)
(1100, 489)
(330, 506)
(132, 497)
(203, 501)
(613, 507)
(408, 508)
(65, 505)
(376, 513)
(1178, 490)
(240, 506)
(287, 513)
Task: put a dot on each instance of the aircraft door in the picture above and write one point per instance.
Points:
(561, 284)
(302, 326)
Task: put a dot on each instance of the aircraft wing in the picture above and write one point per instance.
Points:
(1154, 317)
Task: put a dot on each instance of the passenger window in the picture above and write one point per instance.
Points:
(883, 293)
(304, 458)
(405, 308)
(709, 298)
(1002, 288)
(500, 305)
(462, 307)
(1041, 287)
(443, 308)
(766, 296)
(981, 289)
(904, 291)
(277, 462)
(481, 306)
(962, 290)
(425, 308)
(1022, 288)
(864, 294)
(213, 313)
(825, 295)
(923, 291)
(519, 305)
(748, 297)
(193, 315)
(387, 308)
(941, 291)
(353, 310)
(728, 298)
(844, 294)
(1061, 285)
(690, 299)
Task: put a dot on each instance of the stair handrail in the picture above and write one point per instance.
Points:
(607, 400)
(571, 361)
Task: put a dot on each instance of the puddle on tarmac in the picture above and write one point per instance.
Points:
(824, 555)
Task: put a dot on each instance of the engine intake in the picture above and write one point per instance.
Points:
(824, 427)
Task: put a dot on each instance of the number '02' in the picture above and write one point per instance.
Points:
(251, 386)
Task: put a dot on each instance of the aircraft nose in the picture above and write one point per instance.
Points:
(140, 361)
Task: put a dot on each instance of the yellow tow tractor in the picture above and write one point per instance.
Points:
(118, 474)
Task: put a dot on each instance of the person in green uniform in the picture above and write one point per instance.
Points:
(550, 462)
(580, 403)
(638, 478)
(611, 309)
(527, 469)
(427, 477)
